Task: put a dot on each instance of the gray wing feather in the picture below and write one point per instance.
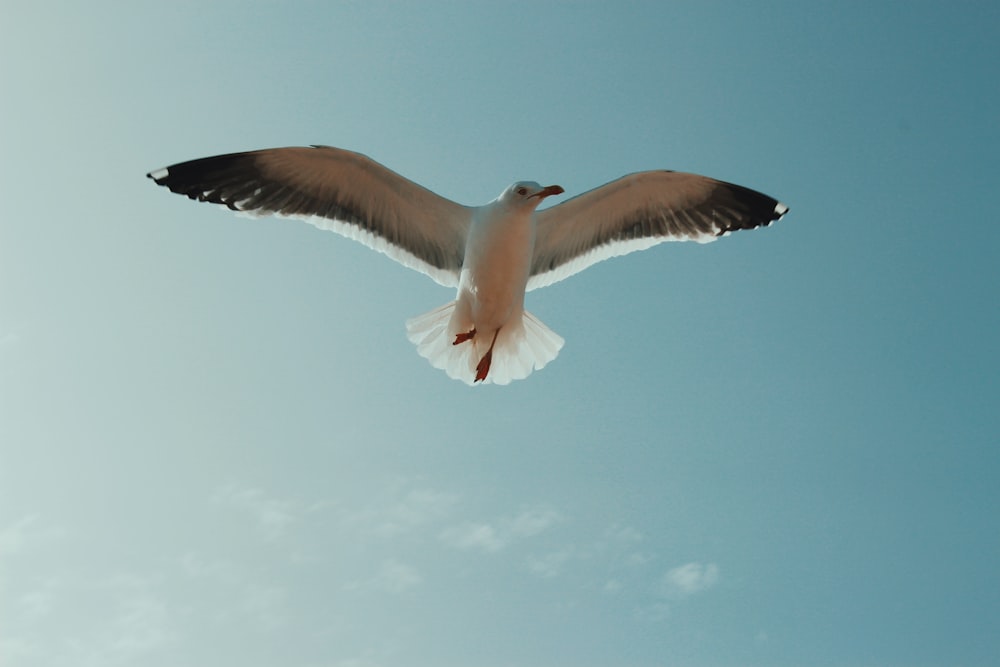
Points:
(637, 212)
(337, 190)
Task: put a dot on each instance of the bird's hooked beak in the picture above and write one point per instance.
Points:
(548, 190)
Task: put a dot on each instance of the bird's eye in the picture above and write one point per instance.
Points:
(522, 191)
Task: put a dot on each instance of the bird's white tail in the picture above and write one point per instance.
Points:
(523, 345)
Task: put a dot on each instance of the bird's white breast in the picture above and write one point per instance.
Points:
(497, 262)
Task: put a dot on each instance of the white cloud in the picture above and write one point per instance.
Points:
(638, 559)
(613, 586)
(247, 595)
(551, 564)
(110, 620)
(14, 536)
(14, 649)
(362, 661)
(651, 613)
(392, 577)
(273, 516)
(222, 571)
(8, 339)
(479, 536)
(25, 533)
(415, 509)
(690, 578)
(38, 602)
(396, 577)
(120, 620)
(624, 534)
(492, 537)
(533, 521)
(142, 621)
(264, 605)
(618, 549)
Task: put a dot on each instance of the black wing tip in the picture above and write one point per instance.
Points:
(159, 175)
(233, 180)
(219, 179)
(763, 208)
(777, 213)
(758, 209)
(780, 210)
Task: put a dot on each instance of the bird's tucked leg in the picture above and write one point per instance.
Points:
(462, 337)
(483, 369)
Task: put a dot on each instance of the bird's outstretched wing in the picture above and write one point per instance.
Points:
(337, 190)
(637, 212)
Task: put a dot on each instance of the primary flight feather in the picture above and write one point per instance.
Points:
(492, 254)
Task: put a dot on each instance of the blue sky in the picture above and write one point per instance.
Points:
(217, 446)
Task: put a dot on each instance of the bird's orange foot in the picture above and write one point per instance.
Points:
(483, 369)
(462, 337)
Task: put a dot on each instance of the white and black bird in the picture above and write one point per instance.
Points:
(492, 254)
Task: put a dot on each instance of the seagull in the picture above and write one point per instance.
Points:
(492, 254)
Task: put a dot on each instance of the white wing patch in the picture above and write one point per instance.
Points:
(368, 239)
(379, 244)
(601, 253)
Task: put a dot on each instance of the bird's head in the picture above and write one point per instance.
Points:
(528, 193)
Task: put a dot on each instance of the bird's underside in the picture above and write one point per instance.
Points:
(357, 197)
(483, 367)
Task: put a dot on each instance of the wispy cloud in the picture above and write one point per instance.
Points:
(39, 601)
(264, 605)
(365, 660)
(613, 586)
(396, 577)
(532, 521)
(8, 339)
(14, 536)
(261, 603)
(120, 620)
(623, 544)
(273, 516)
(550, 564)
(392, 576)
(14, 650)
(690, 578)
(624, 534)
(491, 537)
(651, 613)
(479, 536)
(412, 509)
(222, 571)
(25, 533)
(141, 623)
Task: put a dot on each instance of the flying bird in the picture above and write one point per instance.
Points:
(492, 254)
